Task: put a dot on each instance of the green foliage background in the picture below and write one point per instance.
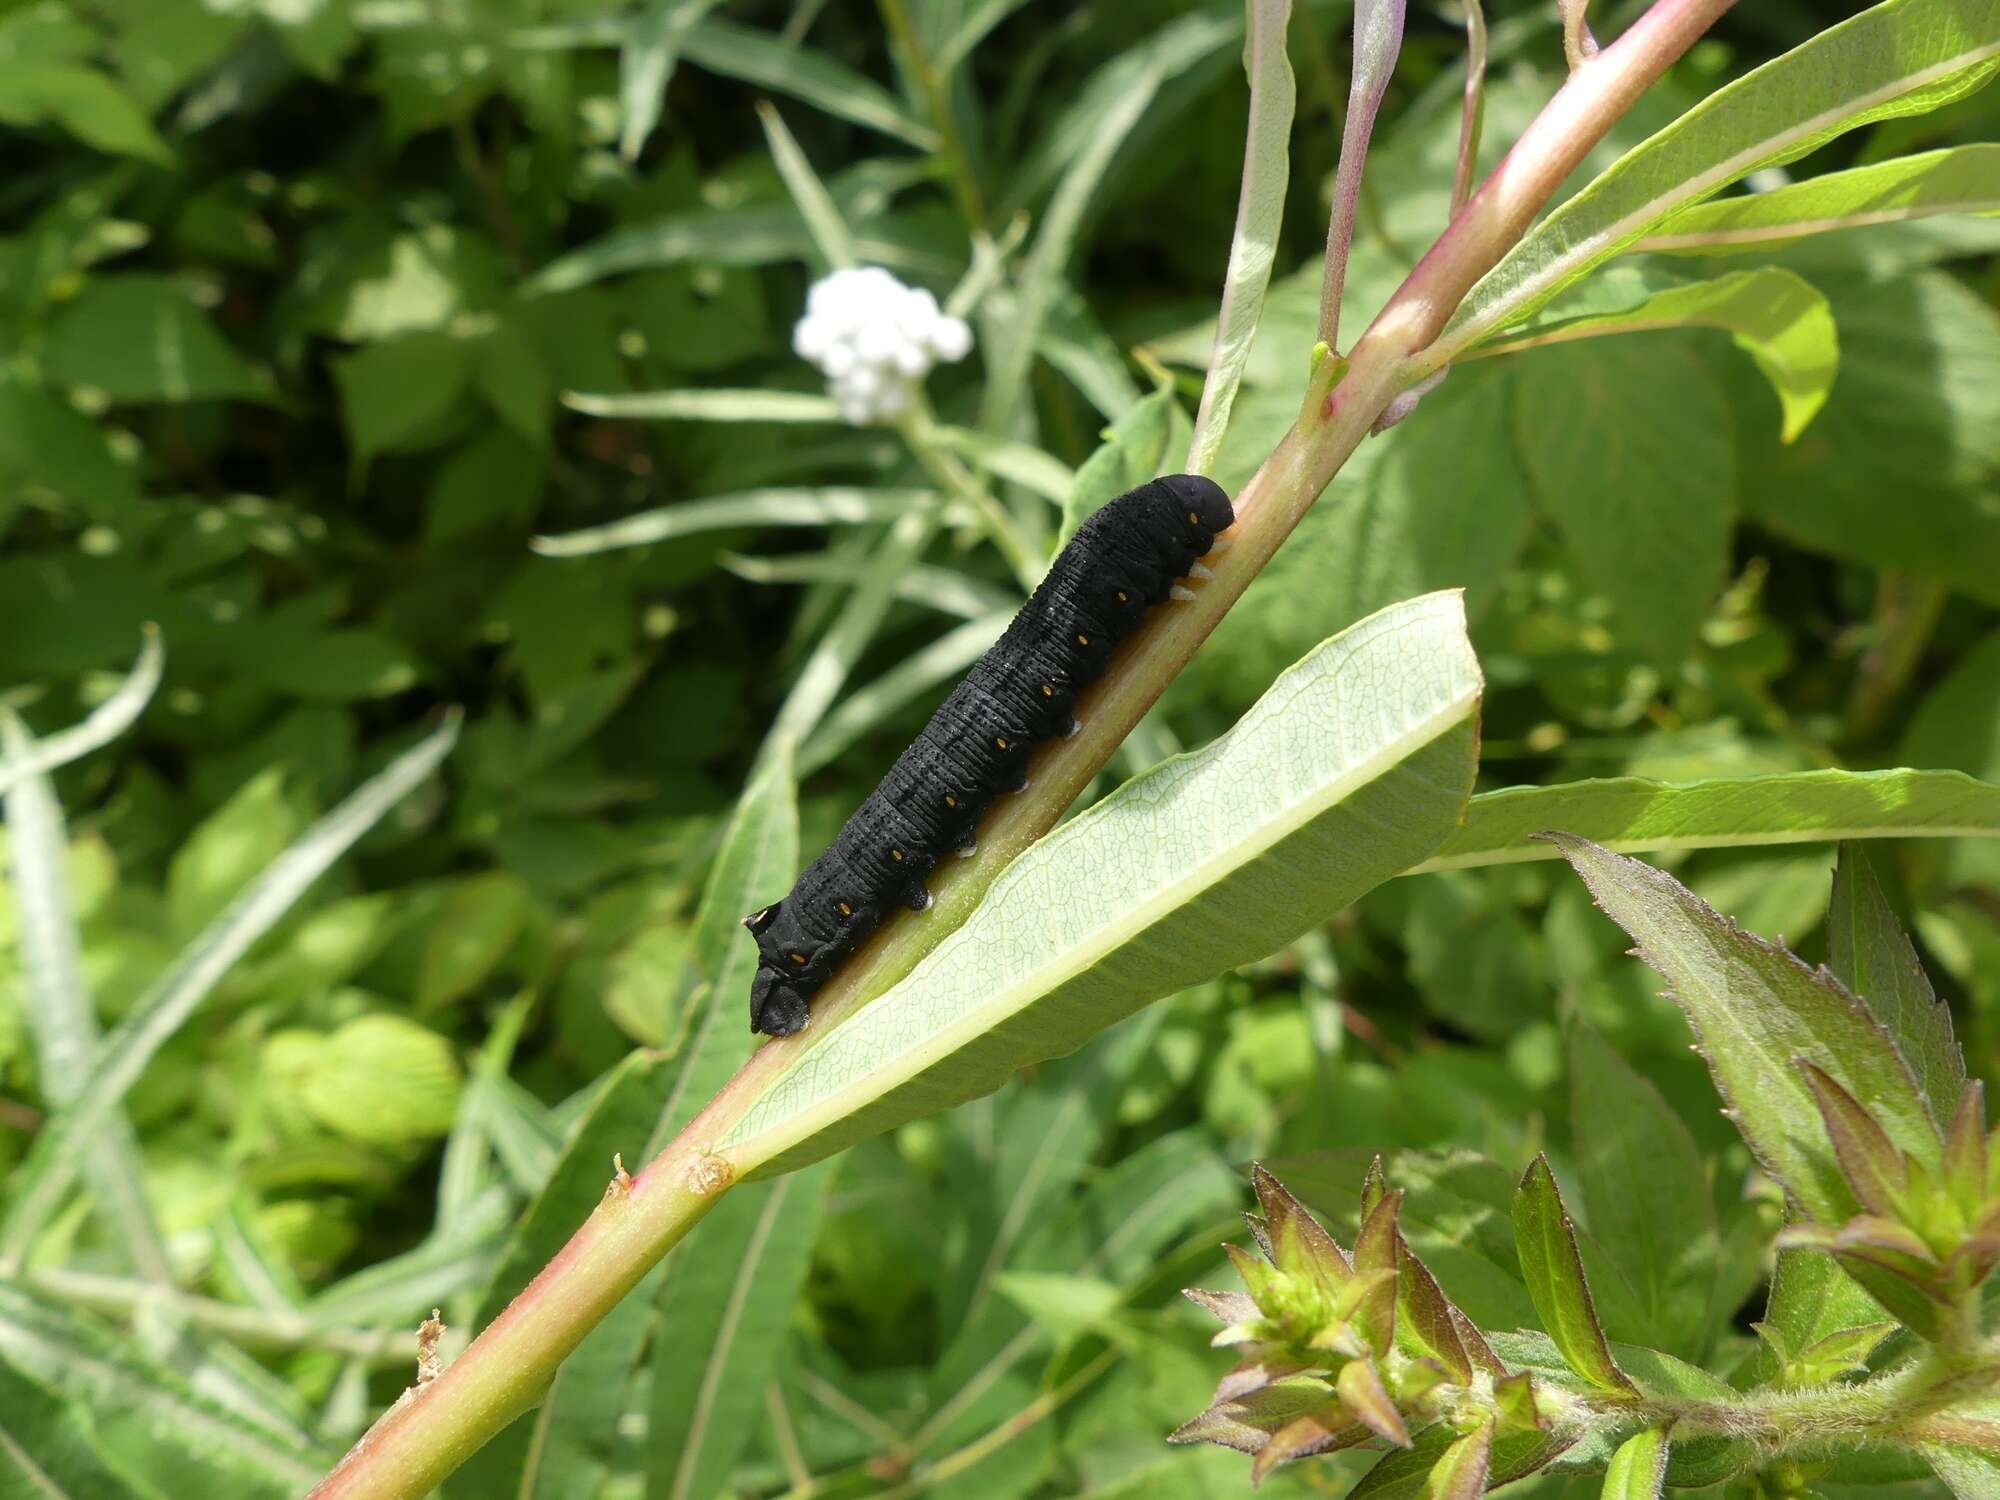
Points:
(289, 293)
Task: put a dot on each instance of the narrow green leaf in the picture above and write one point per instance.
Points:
(707, 406)
(1206, 862)
(809, 194)
(724, 1306)
(1638, 1469)
(1902, 57)
(1462, 1472)
(66, 1140)
(1956, 180)
(937, 588)
(48, 1449)
(757, 57)
(1260, 208)
(1871, 1165)
(60, 1015)
(1546, 1242)
(1633, 815)
(1969, 1473)
(1755, 1009)
(1018, 463)
(1645, 1189)
(1775, 316)
(100, 726)
(1378, 42)
(832, 506)
(404, 1287)
(646, 61)
(1009, 360)
(945, 659)
(1872, 956)
(1132, 452)
(145, 1419)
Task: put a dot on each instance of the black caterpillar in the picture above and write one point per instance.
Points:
(1123, 560)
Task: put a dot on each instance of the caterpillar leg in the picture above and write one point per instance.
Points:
(917, 898)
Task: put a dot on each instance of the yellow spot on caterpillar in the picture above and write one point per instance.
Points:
(798, 958)
(1001, 741)
(1123, 597)
(1048, 691)
(949, 800)
(1193, 519)
(897, 855)
(1083, 640)
(845, 909)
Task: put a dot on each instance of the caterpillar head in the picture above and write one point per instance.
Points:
(1205, 504)
(777, 1004)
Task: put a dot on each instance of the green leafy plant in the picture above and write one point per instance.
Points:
(1873, 1342)
(467, 380)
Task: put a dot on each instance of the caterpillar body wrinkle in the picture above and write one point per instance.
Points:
(1124, 560)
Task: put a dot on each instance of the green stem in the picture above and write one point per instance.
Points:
(937, 99)
(919, 430)
(1906, 613)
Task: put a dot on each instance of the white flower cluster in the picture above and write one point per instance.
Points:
(875, 338)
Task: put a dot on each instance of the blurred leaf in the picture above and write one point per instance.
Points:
(1775, 316)
(108, 720)
(709, 406)
(646, 62)
(1132, 452)
(472, 932)
(725, 1304)
(758, 57)
(1645, 1193)
(1630, 455)
(379, 1079)
(1957, 180)
(81, 101)
(1634, 815)
(945, 659)
(65, 1141)
(1352, 812)
(1901, 57)
(1916, 415)
(144, 1418)
(50, 449)
(1553, 1268)
(138, 338)
(48, 1448)
(228, 849)
(1872, 956)
(394, 394)
(1755, 1009)
(815, 204)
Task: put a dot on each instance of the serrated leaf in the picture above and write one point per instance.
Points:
(1872, 956)
(1899, 58)
(1546, 1242)
(1368, 1401)
(1634, 815)
(1755, 1009)
(1956, 180)
(1868, 1160)
(1462, 1472)
(1638, 1469)
(1230, 855)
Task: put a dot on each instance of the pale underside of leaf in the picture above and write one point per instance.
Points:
(1353, 763)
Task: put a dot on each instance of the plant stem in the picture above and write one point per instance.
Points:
(937, 98)
(1906, 612)
(429, 1432)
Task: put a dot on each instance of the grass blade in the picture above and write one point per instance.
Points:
(753, 56)
(1633, 815)
(100, 726)
(646, 61)
(821, 507)
(1260, 211)
(944, 659)
(708, 406)
(65, 1142)
(815, 204)
(61, 1020)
